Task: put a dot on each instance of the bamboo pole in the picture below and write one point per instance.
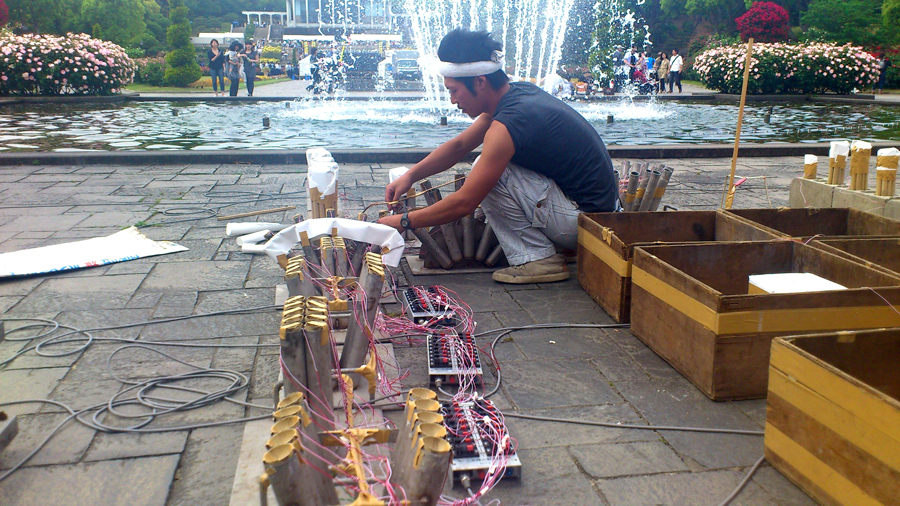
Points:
(729, 189)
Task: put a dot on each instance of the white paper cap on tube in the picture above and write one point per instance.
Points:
(314, 155)
(889, 152)
(396, 172)
(323, 177)
(857, 144)
(808, 159)
(250, 227)
(253, 238)
(839, 148)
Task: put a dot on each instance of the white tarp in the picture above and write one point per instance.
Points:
(128, 244)
(322, 170)
(372, 233)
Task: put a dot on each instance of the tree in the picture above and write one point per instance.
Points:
(4, 13)
(119, 21)
(249, 31)
(183, 68)
(845, 21)
(53, 16)
(765, 22)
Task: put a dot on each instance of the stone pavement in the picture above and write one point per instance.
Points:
(606, 375)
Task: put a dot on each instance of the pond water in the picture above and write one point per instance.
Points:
(389, 124)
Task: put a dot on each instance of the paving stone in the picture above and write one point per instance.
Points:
(206, 472)
(265, 375)
(235, 299)
(58, 169)
(67, 190)
(66, 447)
(28, 223)
(77, 234)
(779, 487)
(549, 383)
(24, 384)
(653, 365)
(34, 211)
(264, 273)
(251, 324)
(624, 459)
(541, 434)
(108, 446)
(94, 320)
(564, 343)
(79, 394)
(619, 367)
(200, 275)
(550, 476)
(236, 359)
(162, 231)
(199, 169)
(136, 482)
(561, 303)
(8, 301)
(54, 178)
(142, 300)
(115, 219)
(75, 293)
(204, 249)
(34, 234)
(207, 233)
(129, 267)
(707, 488)
(677, 402)
(755, 409)
(176, 304)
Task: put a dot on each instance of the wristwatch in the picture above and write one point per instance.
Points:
(404, 222)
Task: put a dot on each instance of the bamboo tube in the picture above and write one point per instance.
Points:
(453, 249)
(888, 158)
(661, 187)
(494, 257)
(484, 244)
(434, 249)
(837, 162)
(356, 344)
(468, 223)
(810, 165)
(729, 188)
(285, 473)
(631, 190)
(430, 464)
(642, 187)
(650, 192)
(886, 180)
(298, 280)
(860, 152)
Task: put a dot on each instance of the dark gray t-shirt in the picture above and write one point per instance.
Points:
(552, 139)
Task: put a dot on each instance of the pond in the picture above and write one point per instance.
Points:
(394, 124)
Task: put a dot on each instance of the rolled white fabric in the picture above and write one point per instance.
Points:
(314, 155)
(253, 248)
(808, 159)
(251, 227)
(323, 170)
(253, 238)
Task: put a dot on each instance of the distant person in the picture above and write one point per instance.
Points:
(675, 67)
(883, 64)
(234, 67)
(662, 72)
(639, 73)
(651, 61)
(251, 60)
(619, 68)
(631, 61)
(216, 67)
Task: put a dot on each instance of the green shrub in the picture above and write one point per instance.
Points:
(786, 68)
(183, 68)
(150, 71)
(182, 76)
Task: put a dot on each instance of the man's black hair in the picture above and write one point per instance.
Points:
(464, 46)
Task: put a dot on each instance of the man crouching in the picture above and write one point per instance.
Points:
(541, 163)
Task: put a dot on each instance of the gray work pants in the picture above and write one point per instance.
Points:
(529, 215)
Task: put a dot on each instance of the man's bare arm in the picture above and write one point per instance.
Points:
(445, 156)
(495, 156)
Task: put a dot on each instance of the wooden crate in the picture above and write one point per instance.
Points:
(606, 243)
(690, 304)
(833, 415)
(877, 253)
(828, 222)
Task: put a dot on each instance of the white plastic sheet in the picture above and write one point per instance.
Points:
(129, 244)
(809, 159)
(373, 233)
(322, 170)
(395, 173)
(839, 148)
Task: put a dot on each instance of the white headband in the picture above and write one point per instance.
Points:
(478, 68)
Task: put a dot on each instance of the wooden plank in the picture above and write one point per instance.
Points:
(839, 490)
(860, 400)
(831, 432)
(608, 289)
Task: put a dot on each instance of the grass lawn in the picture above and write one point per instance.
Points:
(146, 88)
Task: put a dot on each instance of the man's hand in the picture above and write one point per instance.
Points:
(392, 220)
(395, 191)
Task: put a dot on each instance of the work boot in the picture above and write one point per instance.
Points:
(539, 271)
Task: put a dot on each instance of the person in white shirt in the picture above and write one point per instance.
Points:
(676, 65)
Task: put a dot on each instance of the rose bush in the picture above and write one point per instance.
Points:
(787, 68)
(57, 65)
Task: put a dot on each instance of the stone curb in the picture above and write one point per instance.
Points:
(399, 156)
